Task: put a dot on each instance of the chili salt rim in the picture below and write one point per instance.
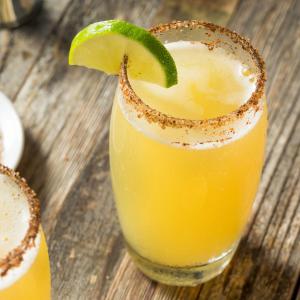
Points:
(164, 120)
(15, 257)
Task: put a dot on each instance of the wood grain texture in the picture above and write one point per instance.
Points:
(66, 111)
(218, 11)
(20, 49)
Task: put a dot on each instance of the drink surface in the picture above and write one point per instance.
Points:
(211, 83)
(180, 206)
(30, 279)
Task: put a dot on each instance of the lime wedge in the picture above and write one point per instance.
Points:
(102, 46)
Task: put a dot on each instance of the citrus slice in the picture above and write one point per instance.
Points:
(103, 45)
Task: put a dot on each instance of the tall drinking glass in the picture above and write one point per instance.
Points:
(184, 187)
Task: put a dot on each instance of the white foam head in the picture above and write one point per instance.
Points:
(15, 218)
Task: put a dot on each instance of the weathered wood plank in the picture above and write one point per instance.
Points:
(86, 233)
(218, 11)
(296, 295)
(267, 263)
(20, 49)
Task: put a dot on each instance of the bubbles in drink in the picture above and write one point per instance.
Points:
(14, 215)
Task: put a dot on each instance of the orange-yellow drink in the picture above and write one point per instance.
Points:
(184, 189)
(36, 283)
(24, 262)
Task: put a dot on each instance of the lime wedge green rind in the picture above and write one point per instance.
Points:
(104, 44)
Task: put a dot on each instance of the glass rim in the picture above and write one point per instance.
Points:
(16, 256)
(153, 115)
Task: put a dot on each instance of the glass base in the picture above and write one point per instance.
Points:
(182, 276)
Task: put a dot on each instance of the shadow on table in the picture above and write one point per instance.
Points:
(33, 165)
(255, 272)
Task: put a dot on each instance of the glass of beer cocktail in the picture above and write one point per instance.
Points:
(186, 160)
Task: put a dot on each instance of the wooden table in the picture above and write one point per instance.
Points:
(66, 115)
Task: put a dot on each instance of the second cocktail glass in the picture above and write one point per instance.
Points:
(24, 261)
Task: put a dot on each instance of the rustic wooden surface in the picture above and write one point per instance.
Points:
(66, 113)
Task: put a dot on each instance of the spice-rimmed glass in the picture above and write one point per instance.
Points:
(24, 262)
(184, 188)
